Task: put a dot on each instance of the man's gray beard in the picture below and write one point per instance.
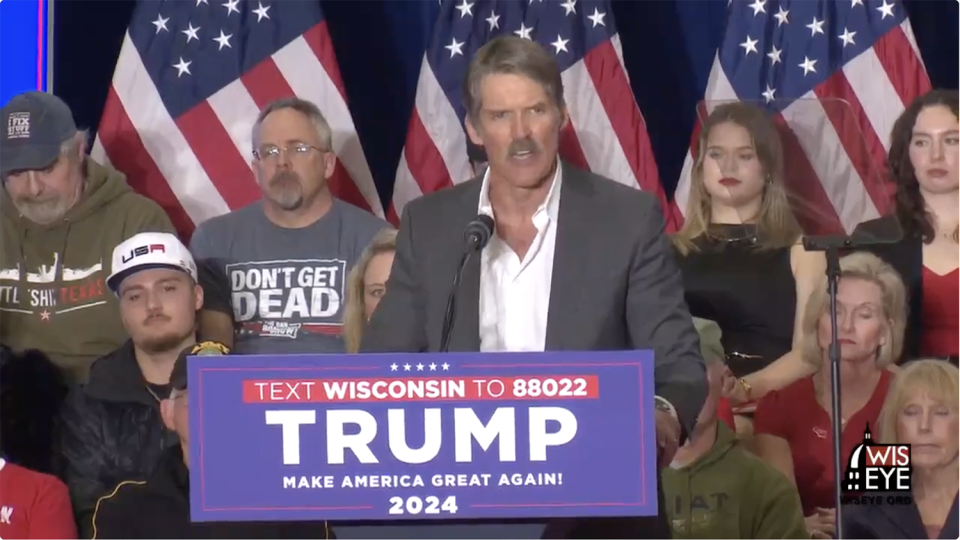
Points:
(42, 213)
(288, 199)
(164, 343)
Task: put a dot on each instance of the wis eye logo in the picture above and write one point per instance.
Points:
(877, 473)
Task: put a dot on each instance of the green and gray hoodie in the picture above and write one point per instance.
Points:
(729, 493)
(53, 295)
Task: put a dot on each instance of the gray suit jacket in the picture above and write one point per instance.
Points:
(615, 284)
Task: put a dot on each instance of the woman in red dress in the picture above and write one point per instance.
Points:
(923, 163)
(793, 426)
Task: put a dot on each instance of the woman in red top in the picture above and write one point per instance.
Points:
(924, 161)
(793, 425)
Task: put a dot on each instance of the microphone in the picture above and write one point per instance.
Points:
(476, 236)
(178, 377)
(478, 232)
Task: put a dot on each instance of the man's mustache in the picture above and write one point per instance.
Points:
(283, 176)
(523, 145)
(154, 318)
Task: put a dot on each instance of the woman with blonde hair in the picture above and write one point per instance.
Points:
(366, 284)
(739, 248)
(793, 425)
(920, 410)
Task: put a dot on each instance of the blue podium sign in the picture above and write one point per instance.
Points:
(425, 436)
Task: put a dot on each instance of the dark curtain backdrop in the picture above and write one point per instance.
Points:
(668, 48)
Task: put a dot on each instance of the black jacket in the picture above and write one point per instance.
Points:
(110, 430)
(160, 508)
(881, 519)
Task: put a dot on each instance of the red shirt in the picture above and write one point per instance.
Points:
(33, 505)
(725, 413)
(940, 313)
(794, 415)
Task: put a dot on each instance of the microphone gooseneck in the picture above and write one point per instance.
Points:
(476, 236)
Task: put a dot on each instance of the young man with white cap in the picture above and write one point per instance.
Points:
(111, 429)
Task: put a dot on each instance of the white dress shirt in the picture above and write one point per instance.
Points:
(514, 293)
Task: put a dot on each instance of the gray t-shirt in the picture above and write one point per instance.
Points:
(284, 287)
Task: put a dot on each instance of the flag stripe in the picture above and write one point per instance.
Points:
(856, 132)
(611, 85)
(893, 52)
(237, 111)
(878, 98)
(218, 156)
(119, 133)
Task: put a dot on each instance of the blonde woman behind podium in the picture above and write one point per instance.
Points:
(366, 285)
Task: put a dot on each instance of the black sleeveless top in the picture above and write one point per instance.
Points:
(750, 293)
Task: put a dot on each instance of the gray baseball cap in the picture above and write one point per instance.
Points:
(35, 125)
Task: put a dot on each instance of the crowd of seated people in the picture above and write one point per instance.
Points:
(94, 402)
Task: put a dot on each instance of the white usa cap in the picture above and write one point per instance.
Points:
(149, 250)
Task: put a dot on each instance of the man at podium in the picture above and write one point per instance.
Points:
(576, 262)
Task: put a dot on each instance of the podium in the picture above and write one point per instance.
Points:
(392, 437)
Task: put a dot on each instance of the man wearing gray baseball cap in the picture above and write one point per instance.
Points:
(61, 215)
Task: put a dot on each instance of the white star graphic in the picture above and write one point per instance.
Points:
(466, 8)
(182, 67)
(774, 55)
(393, 367)
(190, 32)
(231, 6)
(886, 9)
(419, 367)
(161, 23)
(769, 94)
(493, 20)
(44, 315)
(201, 2)
(808, 66)
(749, 46)
(597, 17)
(855, 3)
(433, 367)
(757, 7)
(816, 27)
(223, 40)
(781, 16)
(560, 44)
(524, 32)
(569, 6)
(261, 12)
(445, 366)
(455, 48)
(847, 37)
(406, 367)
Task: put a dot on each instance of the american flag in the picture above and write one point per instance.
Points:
(852, 64)
(606, 133)
(191, 79)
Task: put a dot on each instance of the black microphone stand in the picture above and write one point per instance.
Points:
(451, 313)
(831, 246)
(475, 243)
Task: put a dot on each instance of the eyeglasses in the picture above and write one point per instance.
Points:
(272, 153)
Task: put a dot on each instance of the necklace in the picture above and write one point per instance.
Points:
(152, 393)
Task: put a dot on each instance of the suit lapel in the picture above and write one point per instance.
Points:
(572, 250)
(466, 329)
